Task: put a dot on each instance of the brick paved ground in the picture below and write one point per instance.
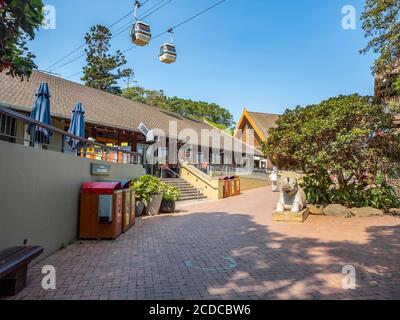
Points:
(230, 250)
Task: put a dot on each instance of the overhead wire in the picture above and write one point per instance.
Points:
(51, 67)
(169, 30)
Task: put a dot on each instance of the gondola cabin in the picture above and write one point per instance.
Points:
(167, 53)
(141, 34)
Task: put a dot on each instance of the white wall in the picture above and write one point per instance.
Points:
(39, 195)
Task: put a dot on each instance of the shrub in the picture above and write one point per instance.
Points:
(320, 190)
(171, 193)
(145, 187)
(317, 187)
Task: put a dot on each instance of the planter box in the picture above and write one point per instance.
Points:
(289, 216)
(167, 206)
(153, 208)
(139, 209)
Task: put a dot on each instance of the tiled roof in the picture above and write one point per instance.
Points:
(264, 121)
(101, 108)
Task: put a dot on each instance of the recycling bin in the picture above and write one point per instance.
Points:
(235, 186)
(227, 187)
(126, 210)
(101, 210)
(132, 220)
(128, 204)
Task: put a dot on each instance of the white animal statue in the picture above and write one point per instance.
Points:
(293, 197)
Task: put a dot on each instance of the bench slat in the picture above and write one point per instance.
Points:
(14, 258)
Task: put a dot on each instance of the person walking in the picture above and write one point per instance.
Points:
(274, 179)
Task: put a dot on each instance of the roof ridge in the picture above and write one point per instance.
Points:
(108, 93)
(265, 113)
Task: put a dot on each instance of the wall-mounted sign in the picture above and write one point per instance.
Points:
(100, 169)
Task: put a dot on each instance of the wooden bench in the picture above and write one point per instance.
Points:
(14, 267)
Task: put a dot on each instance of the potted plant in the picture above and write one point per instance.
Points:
(149, 194)
(171, 195)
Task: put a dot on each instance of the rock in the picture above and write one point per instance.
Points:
(394, 212)
(366, 212)
(337, 210)
(316, 210)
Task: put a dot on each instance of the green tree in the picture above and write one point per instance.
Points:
(199, 110)
(19, 20)
(349, 136)
(381, 23)
(103, 70)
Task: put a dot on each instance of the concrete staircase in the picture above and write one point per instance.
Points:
(187, 190)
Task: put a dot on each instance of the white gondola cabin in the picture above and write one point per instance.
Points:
(167, 53)
(141, 34)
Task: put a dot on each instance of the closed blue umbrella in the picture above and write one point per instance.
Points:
(41, 113)
(77, 125)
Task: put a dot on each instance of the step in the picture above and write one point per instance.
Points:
(194, 194)
(192, 198)
(188, 192)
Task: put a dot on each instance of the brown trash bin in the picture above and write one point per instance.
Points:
(235, 186)
(101, 210)
(227, 187)
(132, 220)
(126, 210)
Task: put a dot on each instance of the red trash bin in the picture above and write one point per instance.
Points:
(227, 187)
(101, 210)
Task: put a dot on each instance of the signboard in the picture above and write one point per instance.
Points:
(146, 132)
(100, 169)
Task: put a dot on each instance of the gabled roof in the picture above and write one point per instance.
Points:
(101, 108)
(261, 122)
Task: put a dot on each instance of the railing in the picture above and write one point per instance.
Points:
(199, 190)
(174, 174)
(20, 129)
(227, 170)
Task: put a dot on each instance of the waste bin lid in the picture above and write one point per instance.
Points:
(125, 183)
(101, 187)
(223, 178)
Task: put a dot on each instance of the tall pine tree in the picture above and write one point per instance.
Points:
(103, 70)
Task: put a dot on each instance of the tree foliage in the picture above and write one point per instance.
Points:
(381, 23)
(212, 112)
(350, 136)
(19, 20)
(103, 70)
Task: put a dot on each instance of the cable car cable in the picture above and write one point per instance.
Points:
(84, 53)
(81, 46)
(181, 23)
(176, 26)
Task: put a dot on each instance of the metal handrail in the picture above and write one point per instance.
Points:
(82, 141)
(199, 190)
(176, 174)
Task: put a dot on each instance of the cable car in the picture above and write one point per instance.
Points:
(141, 34)
(167, 53)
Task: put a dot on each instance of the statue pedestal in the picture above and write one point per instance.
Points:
(289, 216)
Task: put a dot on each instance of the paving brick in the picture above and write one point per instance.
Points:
(230, 249)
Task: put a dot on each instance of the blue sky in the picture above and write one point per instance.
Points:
(261, 54)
